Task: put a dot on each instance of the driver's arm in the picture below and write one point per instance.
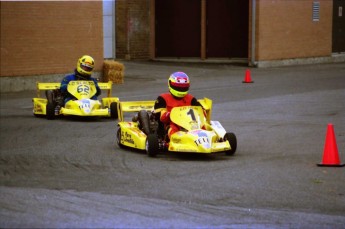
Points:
(99, 91)
(195, 102)
(160, 108)
(64, 83)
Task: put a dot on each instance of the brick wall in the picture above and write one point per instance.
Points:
(48, 37)
(285, 29)
(132, 29)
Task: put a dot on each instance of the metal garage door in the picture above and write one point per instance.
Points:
(227, 28)
(338, 41)
(177, 28)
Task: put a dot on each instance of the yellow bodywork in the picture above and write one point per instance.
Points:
(133, 106)
(198, 135)
(131, 135)
(197, 141)
(83, 106)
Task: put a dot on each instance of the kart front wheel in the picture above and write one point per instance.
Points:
(152, 145)
(231, 137)
(50, 111)
(113, 110)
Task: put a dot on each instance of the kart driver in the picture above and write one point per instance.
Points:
(178, 87)
(83, 71)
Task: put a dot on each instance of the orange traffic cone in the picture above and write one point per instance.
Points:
(330, 154)
(247, 78)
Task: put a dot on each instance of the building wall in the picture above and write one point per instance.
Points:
(47, 37)
(285, 29)
(132, 29)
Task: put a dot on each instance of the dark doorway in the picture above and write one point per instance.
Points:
(338, 38)
(227, 28)
(178, 28)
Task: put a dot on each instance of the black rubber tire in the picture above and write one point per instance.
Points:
(50, 111)
(113, 110)
(144, 121)
(50, 96)
(152, 145)
(118, 138)
(231, 137)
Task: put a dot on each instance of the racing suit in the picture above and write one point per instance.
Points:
(166, 102)
(76, 76)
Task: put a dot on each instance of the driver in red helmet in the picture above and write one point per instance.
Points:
(178, 87)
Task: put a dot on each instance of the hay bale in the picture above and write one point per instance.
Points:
(113, 71)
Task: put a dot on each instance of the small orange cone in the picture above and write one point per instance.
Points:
(247, 78)
(330, 155)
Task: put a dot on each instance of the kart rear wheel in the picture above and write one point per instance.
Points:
(231, 137)
(144, 121)
(113, 110)
(118, 138)
(152, 145)
(50, 111)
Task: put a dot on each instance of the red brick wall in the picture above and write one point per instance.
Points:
(285, 29)
(132, 29)
(49, 37)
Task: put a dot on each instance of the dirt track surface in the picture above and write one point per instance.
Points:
(69, 173)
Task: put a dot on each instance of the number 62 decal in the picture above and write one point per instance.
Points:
(83, 88)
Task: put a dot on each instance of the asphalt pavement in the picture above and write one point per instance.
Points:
(69, 173)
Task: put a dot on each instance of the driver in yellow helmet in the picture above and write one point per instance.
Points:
(83, 71)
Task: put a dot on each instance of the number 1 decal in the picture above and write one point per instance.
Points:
(191, 113)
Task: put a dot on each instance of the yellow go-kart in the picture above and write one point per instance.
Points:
(198, 134)
(53, 105)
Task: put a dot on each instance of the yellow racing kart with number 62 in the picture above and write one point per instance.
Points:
(53, 105)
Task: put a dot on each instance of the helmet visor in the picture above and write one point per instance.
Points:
(86, 67)
(182, 87)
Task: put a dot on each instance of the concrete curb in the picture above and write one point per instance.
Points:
(24, 83)
(335, 58)
(27, 83)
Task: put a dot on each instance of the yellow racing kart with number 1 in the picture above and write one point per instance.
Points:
(197, 134)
